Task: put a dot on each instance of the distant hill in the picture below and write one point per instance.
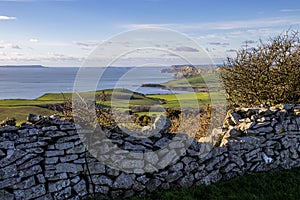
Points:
(22, 66)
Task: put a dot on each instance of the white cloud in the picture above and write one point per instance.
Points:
(33, 40)
(290, 10)
(48, 59)
(86, 44)
(224, 25)
(219, 43)
(3, 17)
(61, 54)
(9, 46)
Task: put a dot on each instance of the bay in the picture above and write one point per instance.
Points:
(32, 82)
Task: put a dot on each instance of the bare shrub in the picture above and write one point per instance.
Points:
(267, 74)
(194, 123)
(88, 111)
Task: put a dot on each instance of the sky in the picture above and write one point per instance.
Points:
(67, 32)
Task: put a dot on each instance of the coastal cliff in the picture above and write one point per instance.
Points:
(182, 71)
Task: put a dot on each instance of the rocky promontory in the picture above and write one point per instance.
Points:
(182, 71)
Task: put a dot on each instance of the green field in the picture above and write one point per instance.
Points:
(20, 108)
(185, 100)
(200, 80)
(117, 98)
(20, 113)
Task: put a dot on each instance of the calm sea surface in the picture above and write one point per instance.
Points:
(30, 83)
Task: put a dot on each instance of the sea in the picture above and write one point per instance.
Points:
(30, 82)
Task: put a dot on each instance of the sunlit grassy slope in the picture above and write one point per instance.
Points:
(186, 100)
(201, 80)
(21, 112)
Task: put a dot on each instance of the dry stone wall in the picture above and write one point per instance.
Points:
(49, 161)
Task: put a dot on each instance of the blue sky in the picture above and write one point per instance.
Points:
(64, 33)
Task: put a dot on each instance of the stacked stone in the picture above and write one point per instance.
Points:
(271, 133)
(264, 122)
(34, 160)
(48, 160)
